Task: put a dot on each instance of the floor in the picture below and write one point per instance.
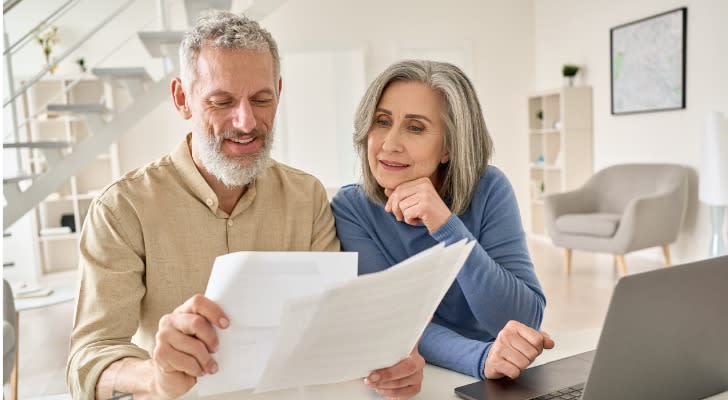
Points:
(576, 302)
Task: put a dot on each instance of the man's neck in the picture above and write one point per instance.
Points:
(227, 196)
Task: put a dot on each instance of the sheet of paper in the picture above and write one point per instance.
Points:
(364, 324)
(253, 288)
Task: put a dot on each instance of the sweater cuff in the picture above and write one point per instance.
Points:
(452, 230)
(484, 357)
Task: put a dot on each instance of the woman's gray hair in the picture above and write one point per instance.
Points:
(223, 29)
(466, 138)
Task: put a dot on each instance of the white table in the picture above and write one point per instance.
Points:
(61, 294)
(439, 383)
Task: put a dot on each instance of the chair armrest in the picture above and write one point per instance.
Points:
(573, 202)
(652, 220)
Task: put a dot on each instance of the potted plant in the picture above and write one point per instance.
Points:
(81, 64)
(569, 71)
(46, 40)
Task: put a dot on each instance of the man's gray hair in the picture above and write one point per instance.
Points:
(466, 138)
(223, 29)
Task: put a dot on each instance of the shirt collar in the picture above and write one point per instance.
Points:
(191, 176)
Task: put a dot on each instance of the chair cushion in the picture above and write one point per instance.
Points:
(596, 224)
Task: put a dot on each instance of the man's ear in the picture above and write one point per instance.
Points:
(179, 98)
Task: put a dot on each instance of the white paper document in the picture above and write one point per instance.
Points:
(252, 288)
(325, 331)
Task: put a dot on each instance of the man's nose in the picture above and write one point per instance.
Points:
(243, 117)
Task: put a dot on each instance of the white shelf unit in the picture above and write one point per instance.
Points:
(560, 146)
(57, 253)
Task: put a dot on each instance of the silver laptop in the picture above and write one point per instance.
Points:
(665, 337)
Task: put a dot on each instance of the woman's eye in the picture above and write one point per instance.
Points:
(382, 122)
(415, 128)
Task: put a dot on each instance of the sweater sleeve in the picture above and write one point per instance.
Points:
(446, 348)
(498, 279)
(438, 344)
(355, 237)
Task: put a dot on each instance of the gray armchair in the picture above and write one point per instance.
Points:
(622, 208)
(9, 331)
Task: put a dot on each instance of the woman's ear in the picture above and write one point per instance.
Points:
(179, 98)
(445, 157)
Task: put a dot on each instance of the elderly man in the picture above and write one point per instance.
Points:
(150, 238)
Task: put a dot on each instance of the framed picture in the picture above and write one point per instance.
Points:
(648, 63)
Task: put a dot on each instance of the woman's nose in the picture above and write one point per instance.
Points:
(392, 140)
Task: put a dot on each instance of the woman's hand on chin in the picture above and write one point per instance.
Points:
(416, 202)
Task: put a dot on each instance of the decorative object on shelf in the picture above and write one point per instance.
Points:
(557, 124)
(714, 178)
(569, 71)
(539, 115)
(69, 220)
(81, 64)
(648, 63)
(540, 161)
(47, 38)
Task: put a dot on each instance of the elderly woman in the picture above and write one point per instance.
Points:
(424, 148)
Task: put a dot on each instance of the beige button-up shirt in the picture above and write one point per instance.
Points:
(149, 242)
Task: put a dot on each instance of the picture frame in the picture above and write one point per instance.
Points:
(648, 62)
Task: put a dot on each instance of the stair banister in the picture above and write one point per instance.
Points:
(68, 52)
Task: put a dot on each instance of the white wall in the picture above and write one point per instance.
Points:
(491, 38)
(577, 32)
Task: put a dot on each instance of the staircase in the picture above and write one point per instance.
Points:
(64, 159)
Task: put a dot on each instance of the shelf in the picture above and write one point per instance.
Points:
(559, 146)
(545, 131)
(70, 197)
(546, 167)
(51, 238)
(56, 251)
(86, 196)
(45, 119)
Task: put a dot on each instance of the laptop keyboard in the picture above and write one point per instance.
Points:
(571, 392)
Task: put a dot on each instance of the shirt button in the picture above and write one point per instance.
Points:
(230, 222)
(209, 202)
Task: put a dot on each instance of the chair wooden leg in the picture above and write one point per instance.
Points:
(621, 263)
(567, 260)
(666, 252)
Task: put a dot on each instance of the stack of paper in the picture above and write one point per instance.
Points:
(32, 292)
(338, 333)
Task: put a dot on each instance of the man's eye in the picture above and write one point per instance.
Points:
(221, 103)
(262, 102)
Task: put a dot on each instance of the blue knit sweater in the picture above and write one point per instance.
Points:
(496, 284)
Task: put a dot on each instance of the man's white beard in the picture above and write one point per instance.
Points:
(234, 171)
